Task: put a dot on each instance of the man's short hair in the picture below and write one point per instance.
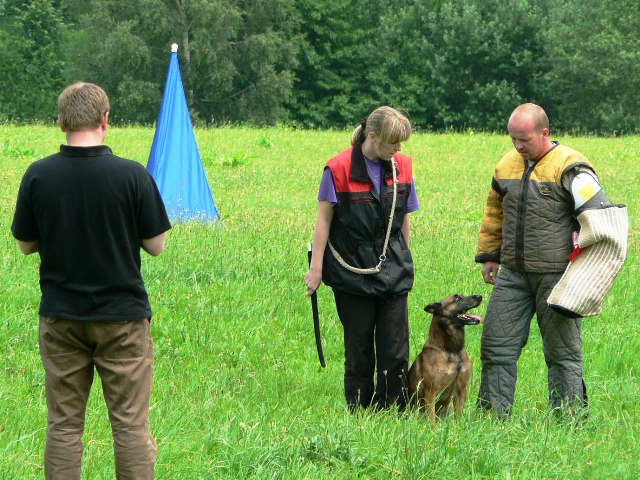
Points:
(82, 106)
(535, 112)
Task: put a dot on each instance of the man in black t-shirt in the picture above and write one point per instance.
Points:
(88, 213)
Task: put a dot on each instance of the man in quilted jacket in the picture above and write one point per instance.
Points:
(537, 191)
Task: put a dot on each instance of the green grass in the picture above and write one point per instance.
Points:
(238, 390)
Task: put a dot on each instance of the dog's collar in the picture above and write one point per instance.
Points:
(435, 347)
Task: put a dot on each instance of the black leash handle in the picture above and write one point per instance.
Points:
(316, 318)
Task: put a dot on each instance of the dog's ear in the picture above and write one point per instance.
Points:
(435, 308)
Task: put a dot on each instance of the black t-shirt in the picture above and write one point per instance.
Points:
(90, 209)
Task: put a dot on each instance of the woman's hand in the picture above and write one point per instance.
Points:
(312, 280)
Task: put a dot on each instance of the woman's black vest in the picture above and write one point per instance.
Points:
(359, 227)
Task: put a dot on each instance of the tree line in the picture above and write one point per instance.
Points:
(450, 64)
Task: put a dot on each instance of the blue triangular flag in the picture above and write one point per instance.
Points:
(175, 161)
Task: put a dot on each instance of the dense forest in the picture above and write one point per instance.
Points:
(450, 64)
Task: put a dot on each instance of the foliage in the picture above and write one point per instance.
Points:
(264, 52)
(336, 75)
(235, 56)
(30, 59)
(592, 84)
(450, 64)
(461, 64)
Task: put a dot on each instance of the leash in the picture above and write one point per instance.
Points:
(316, 319)
(383, 256)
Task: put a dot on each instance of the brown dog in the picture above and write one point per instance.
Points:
(440, 373)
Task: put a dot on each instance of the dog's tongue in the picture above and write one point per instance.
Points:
(476, 317)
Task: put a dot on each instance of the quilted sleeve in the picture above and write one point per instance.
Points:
(490, 240)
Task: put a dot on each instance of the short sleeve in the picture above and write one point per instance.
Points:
(413, 203)
(152, 214)
(24, 226)
(327, 191)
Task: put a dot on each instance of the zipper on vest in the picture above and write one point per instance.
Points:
(522, 212)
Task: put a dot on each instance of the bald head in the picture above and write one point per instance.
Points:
(530, 113)
(529, 131)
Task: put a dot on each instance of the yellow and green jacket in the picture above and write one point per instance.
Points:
(529, 217)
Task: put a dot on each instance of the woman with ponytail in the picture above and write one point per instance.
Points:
(361, 250)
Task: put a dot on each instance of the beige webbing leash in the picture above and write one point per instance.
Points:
(383, 256)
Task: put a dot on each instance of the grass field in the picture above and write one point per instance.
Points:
(238, 390)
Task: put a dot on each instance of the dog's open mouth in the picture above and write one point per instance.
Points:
(469, 319)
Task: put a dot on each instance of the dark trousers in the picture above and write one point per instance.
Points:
(515, 299)
(376, 343)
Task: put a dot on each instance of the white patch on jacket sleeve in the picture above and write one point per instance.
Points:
(583, 188)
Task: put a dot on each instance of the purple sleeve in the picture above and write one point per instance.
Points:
(412, 202)
(327, 191)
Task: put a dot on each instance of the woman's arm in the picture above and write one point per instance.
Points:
(313, 278)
